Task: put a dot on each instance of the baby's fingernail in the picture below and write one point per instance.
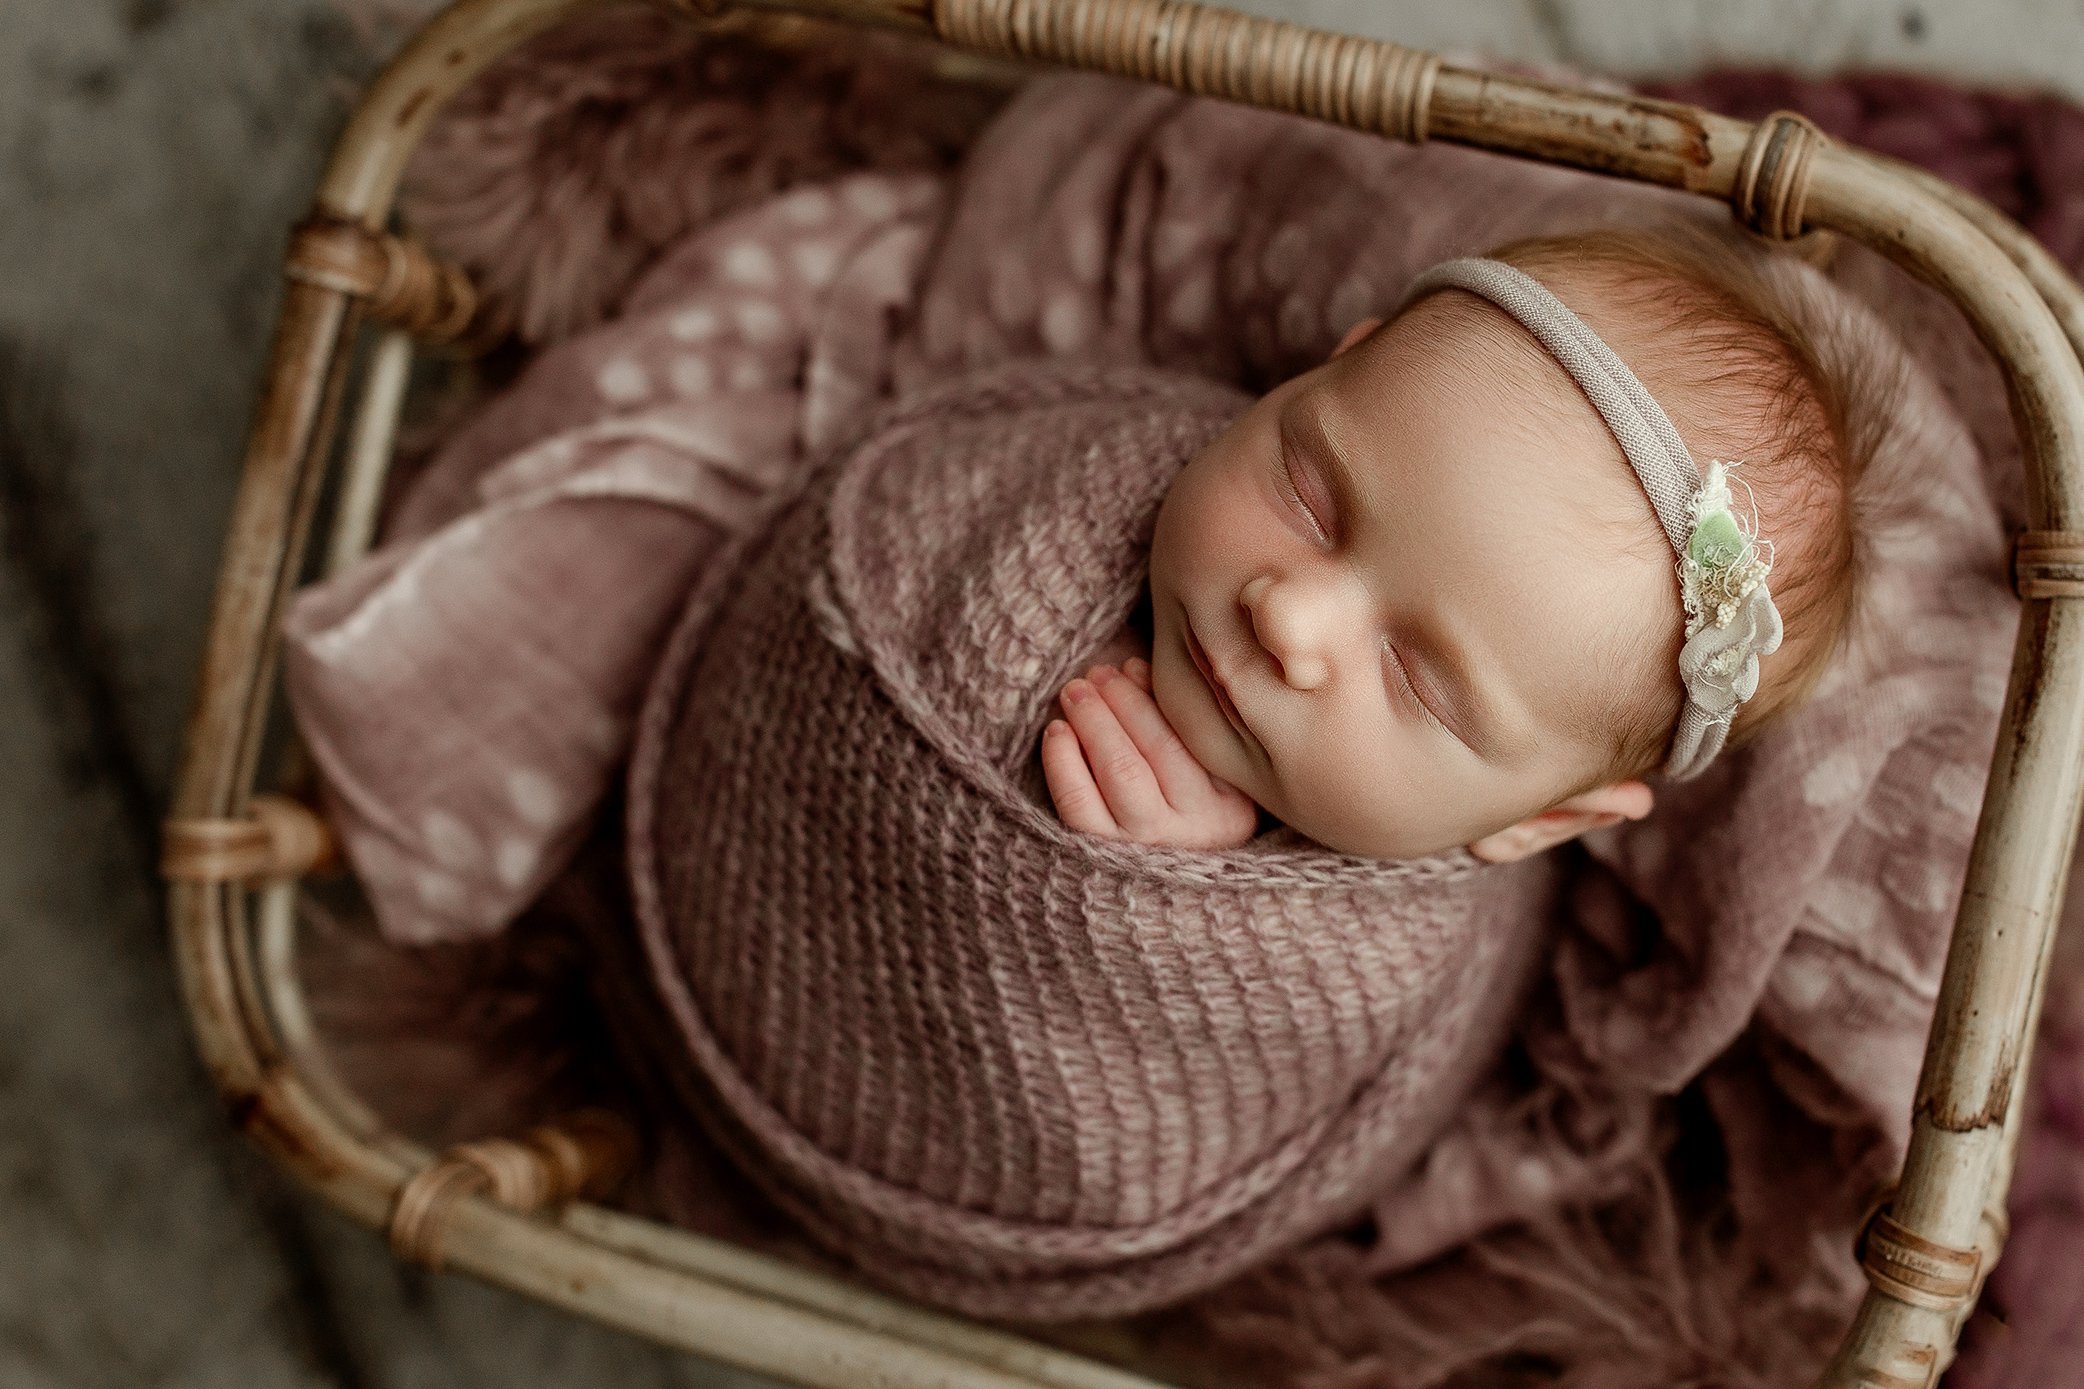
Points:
(1100, 675)
(1137, 667)
(1077, 690)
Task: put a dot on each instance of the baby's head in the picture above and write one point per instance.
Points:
(1436, 592)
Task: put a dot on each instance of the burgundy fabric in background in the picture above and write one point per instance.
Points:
(2025, 153)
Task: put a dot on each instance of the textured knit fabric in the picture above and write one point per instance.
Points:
(1019, 1069)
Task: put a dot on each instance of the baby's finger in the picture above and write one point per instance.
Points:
(1119, 766)
(1179, 773)
(1079, 803)
(1139, 670)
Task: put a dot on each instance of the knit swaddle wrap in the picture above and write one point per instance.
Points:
(1001, 1064)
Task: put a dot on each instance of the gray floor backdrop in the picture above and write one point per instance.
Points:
(152, 152)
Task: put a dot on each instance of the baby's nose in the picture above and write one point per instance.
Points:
(1290, 627)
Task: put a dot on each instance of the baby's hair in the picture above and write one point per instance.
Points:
(1736, 343)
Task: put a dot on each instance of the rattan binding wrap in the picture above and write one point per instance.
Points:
(2048, 564)
(1779, 177)
(583, 1155)
(1910, 1268)
(276, 838)
(1364, 83)
(1772, 188)
(401, 283)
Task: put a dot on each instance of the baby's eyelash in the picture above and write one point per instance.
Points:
(1389, 653)
(1284, 477)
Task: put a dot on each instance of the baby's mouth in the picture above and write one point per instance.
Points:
(1208, 675)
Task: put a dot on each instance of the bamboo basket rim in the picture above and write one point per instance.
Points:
(233, 858)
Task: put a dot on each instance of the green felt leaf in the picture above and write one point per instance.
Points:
(1716, 541)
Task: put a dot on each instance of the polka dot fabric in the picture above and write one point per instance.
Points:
(530, 575)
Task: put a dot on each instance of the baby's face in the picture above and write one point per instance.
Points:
(1403, 569)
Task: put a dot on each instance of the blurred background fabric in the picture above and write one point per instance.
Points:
(153, 154)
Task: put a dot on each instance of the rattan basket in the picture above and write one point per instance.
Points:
(513, 1213)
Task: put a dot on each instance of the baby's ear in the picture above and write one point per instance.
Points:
(1356, 333)
(1593, 810)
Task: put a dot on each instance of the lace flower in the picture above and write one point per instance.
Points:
(1730, 617)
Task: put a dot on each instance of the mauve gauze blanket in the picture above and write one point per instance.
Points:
(1134, 227)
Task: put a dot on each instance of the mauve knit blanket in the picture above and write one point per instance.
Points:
(1767, 944)
(1006, 1066)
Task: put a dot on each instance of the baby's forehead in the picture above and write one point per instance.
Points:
(1457, 366)
(1461, 346)
(1453, 330)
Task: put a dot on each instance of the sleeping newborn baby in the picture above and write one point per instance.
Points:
(1464, 584)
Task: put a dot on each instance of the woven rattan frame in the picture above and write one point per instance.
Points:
(233, 857)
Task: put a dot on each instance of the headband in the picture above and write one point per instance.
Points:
(1722, 565)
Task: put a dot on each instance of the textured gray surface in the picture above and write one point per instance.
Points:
(151, 154)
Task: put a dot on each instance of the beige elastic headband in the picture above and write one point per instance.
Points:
(1722, 566)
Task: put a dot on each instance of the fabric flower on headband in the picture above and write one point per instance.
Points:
(1730, 617)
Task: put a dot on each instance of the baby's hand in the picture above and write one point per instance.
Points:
(1118, 770)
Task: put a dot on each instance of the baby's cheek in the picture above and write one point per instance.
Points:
(1206, 501)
